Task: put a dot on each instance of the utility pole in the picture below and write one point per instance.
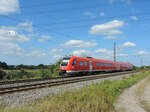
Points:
(141, 61)
(114, 51)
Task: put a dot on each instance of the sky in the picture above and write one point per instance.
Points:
(36, 32)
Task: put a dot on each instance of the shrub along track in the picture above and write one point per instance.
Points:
(51, 83)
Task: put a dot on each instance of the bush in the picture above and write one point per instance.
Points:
(2, 74)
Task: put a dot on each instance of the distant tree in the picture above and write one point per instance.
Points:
(3, 65)
(41, 66)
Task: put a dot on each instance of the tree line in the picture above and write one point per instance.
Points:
(12, 72)
(4, 65)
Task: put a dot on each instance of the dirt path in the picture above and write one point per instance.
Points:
(136, 98)
(144, 98)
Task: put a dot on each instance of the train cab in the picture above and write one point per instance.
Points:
(68, 65)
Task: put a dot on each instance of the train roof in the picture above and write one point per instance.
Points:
(90, 58)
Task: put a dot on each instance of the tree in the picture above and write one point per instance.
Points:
(3, 65)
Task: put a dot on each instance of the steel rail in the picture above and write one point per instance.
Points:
(29, 80)
(35, 80)
(26, 87)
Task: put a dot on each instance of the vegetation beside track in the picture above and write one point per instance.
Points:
(40, 71)
(95, 98)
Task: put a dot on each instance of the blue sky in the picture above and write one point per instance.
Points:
(42, 31)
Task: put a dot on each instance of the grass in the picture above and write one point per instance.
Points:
(139, 93)
(95, 98)
(29, 74)
(145, 105)
(142, 87)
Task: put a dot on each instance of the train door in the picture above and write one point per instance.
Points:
(91, 65)
(118, 66)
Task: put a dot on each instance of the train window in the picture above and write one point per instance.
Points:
(107, 64)
(104, 64)
(86, 63)
(74, 62)
(97, 64)
(64, 62)
(81, 63)
(100, 64)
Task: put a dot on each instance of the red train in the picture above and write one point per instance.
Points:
(73, 65)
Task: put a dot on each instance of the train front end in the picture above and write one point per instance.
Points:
(65, 66)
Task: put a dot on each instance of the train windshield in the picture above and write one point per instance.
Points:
(65, 62)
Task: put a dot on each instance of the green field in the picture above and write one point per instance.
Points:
(95, 98)
(28, 74)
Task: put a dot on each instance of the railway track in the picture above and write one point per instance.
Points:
(19, 88)
(29, 80)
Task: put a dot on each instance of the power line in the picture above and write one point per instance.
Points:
(114, 51)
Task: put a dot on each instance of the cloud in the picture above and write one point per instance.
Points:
(44, 38)
(89, 14)
(82, 52)
(15, 49)
(25, 26)
(134, 18)
(16, 34)
(129, 44)
(57, 50)
(36, 53)
(10, 48)
(9, 6)
(142, 53)
(111, 37)
(79, 44)
(103, 51)
(109, 28)
(13, 36)
(122, 55)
